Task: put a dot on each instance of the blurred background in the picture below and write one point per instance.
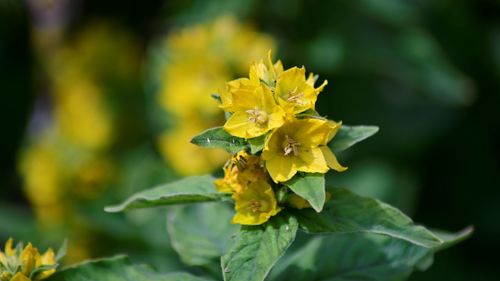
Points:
(100, 99)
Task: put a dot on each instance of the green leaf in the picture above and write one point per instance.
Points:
(347, 212)
(257, 144)
(218, 138)
(201, 233)
(311, 187)
(61, 252)
(187, 190)
(117, 268)
(258, 248)
(348, 136)
(309, 113)
(363, 257)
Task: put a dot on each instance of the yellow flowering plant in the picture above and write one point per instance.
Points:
(274, 185)
(26, 263)
(275, 107)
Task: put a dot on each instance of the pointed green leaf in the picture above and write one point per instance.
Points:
(62, 250)
(309, 113)
(117, 268)
(218, 138)
(258, 248)
(363, 257)
(200, 233)
(348, 136)
(347, 212)
(187, 190)
(257, 144)
(311, 187)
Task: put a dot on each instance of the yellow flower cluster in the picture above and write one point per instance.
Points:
(25, 264)
(200, 59)
(246, 179)
(277, 105)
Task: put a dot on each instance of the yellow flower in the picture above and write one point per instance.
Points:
(9, 250)
(255, 204)
(300, 145)
(44, 172)
(239, 171)
(292, 89)
(266, 72)
(186, 158)
(29, 258)
(82, 114)
(188, 83)
(47, 259)
(256, 113)
(22, 263)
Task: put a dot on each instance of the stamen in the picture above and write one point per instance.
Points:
(290, 146)
(255, 206)
(257, 116)
(295, 97)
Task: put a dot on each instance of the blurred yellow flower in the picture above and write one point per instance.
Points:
(81, 113)
(255, 204)
(24, 263)
(43, 170)
(189, 158)
(300, 145)
(239, 171)
(68, 160)
(188, 84)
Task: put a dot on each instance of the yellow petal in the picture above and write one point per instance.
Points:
(311, 160)
(20, 277)
(222, 186)
(314, 132)
(255, 205)
(276, 119)
(9, 250)
(241, 94)
(280, 168)
(3, 258)
(331, 160)
(48, 258)
(30, 257)
(239, 125)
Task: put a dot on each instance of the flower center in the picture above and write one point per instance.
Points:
(255, 206)
(295, 96)
(290, 146)
(257, 116)
(258, 206)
